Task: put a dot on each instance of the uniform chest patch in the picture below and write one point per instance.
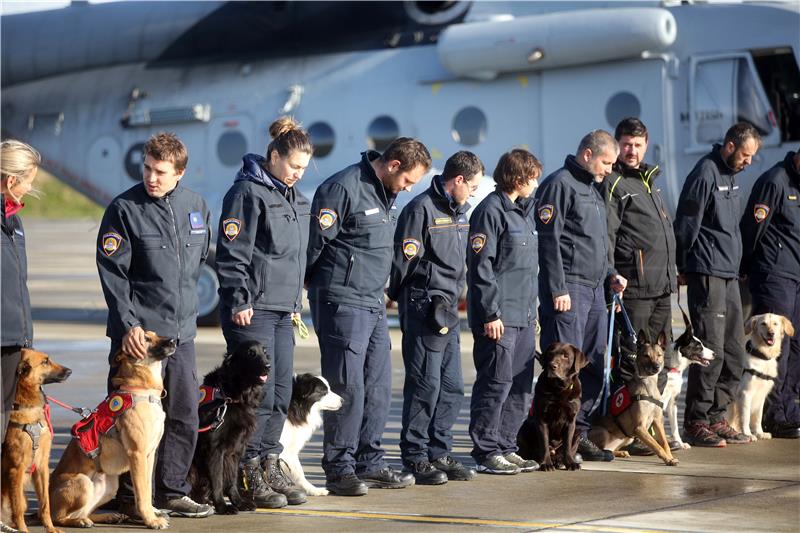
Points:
(196, 220)
(327, 218)
(546, 213)
(477, 241)
(111, 243)
(410, 248)
(231, 227)
(760, 212)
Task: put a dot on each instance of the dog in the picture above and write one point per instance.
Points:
(26, 449)
(229, 397)
(310, 396)
(764, 347)
(87, 475)
(692, 352)
(637, 406)
(548, 434)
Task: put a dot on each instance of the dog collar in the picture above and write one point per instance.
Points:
(754, 352)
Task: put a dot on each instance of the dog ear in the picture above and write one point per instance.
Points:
(642, 337)
(23, 368)
(787, 326)
(748, 326)
(579, 361)
(662, 340)
(686, 322)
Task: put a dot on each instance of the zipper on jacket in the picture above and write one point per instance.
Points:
(178, 254)
(349, 270)
(26, 342)
(297, 301)
(641, 265)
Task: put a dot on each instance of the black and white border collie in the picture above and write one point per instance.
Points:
(310, 396)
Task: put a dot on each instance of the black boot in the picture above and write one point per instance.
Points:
(277, 480)
(253, 487)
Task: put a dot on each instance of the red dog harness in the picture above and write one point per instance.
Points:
(212, 408)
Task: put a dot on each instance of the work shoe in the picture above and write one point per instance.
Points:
(426, 474)
(783, 430)
(455, 470)
(675, 446)
(8, 529)
(731, 436)
(525, 465)
(638, 448)
(277, 480)
(497, 464)
(346, 485)
(387, 478)
(186, 507)
(699, 434)
(590, 452)
(252, 486)
(127, 508)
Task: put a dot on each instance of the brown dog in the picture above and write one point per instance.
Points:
(26, 450)
(550, 425)
(82, 483)
(640, 409)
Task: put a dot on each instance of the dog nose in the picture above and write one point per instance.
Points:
(67, 372)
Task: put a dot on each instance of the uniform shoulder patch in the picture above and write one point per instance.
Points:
(760, 212)
(231, 227)
(477, 241)
(111, 243)
(546, 213)
(410, 248)
(327, 218)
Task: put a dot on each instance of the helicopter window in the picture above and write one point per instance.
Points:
(780, 76)
(381, 132)
(469, 126)
(622, 105)
(231, 146)
(322, 137)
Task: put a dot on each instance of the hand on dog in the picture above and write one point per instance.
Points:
(243, 318)
(135, 343)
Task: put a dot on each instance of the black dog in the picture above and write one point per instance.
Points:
(230, 394)
(550, 426)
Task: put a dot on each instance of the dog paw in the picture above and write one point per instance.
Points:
(685, 446)
(671, 462)
(621, 453)
(55, 530)
(764, 436)
(158, 522)
(572, 466)
(315, 491)
(246, 506)
(226, 509)
(547, 467)
(87, 522)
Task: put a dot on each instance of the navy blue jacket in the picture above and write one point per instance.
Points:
(149, 253)
(573, 232)
(771, 223)
(501, 262)
(707, 224)
(17, 325)
(430, 246)
(350, 242)
(262, 241)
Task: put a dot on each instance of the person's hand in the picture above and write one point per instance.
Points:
(494, 329)
(562, 303)
(134, 342)
(618, 283)
(681, 279)
(242, 318)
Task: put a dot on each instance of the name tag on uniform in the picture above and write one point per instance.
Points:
(792, 197)
(373, 211)
(723, 188)
(442, 220)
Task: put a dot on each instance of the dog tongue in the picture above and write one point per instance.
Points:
(770, 341)
(263, 378)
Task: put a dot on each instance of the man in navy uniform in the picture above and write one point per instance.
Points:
(708, 257)
(771, 260)
(427, 279)
(349, 260)
(574, 266)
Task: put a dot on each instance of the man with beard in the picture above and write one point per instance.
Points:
(709, 251)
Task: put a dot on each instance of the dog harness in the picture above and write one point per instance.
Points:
(622, 399)
(213, 407)
(103, 419)
(760, 375)
(34, 429)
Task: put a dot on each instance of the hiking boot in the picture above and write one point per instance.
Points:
(525, 465)
(731, 436)
(346, 485)
(590, 452)
(277, 480)
(387, 478)
(638, 448)
(426, 474)
(455, 470)
(699, 434)
(253, 487)
(497, 464)
(186, 507)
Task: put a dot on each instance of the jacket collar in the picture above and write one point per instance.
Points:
(440, 196)
(523, 205)
(577, 171)
(716, 156)
(254, 169)
(788, 164)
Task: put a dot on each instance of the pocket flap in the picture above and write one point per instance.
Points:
(344, 343)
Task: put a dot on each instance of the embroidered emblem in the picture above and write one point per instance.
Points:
(546, 213)
(620, 400)
(111, 243)
(115, 403)
(327, 218)
(477, 241)
(203, 394)
(760, 212)
(196, 220)
(442, 220)
(410, 248)
(231, 228)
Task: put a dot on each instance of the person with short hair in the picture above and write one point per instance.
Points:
(427, 279)
(153, 239)
(349, 260)
(501, 306)
(709, 254)
(574, 268)
(260, 262)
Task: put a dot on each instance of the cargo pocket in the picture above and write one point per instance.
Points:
(342, 362)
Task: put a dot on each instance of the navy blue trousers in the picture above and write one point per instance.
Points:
(433, 389)
(355, 354)
(176, 449)
(585, 325)
(773, 294)
(502, 391)
(273, 329)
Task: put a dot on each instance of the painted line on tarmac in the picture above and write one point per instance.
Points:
(453, 520)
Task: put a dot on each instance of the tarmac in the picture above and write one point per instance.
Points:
(753, 487)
